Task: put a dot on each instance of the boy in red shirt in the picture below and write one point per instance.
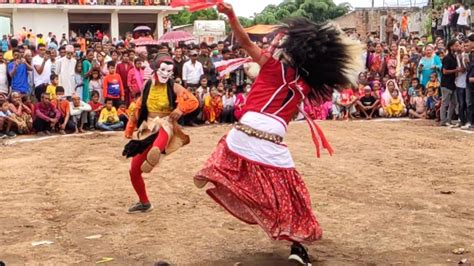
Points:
(112, 86)
(95, 111)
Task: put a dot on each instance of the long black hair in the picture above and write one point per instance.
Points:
(322, 54)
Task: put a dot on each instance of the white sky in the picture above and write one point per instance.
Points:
(247, 8)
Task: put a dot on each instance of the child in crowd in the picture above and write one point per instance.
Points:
(62, 104)
(112, 86)
(109, 120)
(377, 90)
(405, 82)
(433, 83)
(96, 108)
(344, 104)
(415, 86)
(433, 104)
(228, 102)
(8, 118)
(51, 89)
(46, 116)
(395, 106)
(135, 77)
(419, 104)
(203, 89)
(22, 112)
(122, 113)
(78, 80)
(95, 84)
(212, 107)
(368, 103)
(79, 111)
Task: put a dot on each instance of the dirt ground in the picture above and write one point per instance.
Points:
(379, 200)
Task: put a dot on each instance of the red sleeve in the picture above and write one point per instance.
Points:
(104, 86)
(122, 91)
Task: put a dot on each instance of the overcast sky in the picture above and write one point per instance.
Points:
(247, 8)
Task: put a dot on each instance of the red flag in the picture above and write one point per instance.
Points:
(195, 5)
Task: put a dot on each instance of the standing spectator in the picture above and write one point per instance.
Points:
(404, 31)
(448, 86)
(9, 54)
(122, 69)
(66, 69)
(4, 44)
(18, 70)
(178, 61)
(428, 64)
(135, 78)
(389, 22)
(62, 105)
(192, 71)
(46, 116)
(205, 60)
(112, 86)
(86, 75)
(41, 70)
(51, 89)
(228, 101)
(376, 60)
(3, 76)
(463, 63)
(464, 14)
(470, 86)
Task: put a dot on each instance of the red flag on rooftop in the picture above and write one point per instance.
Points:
(195, 5)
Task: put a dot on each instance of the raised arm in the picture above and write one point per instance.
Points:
(242, 37)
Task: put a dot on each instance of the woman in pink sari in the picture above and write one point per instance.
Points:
(135, 78)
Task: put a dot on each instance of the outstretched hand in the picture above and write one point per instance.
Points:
(225, 8)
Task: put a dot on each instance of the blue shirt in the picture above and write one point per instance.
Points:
(4, 46)
(20, 80)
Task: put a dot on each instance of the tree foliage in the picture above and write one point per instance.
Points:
(184, 17)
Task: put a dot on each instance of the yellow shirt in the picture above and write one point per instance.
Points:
(109, 116)
(51, 90)
(158, 99)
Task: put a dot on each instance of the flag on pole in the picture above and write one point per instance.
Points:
(195, 5)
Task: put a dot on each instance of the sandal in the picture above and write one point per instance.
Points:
(152, 159)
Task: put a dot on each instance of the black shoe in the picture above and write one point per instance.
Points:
(140, 207)
(11, 134)
(299, 255)
(3, 136)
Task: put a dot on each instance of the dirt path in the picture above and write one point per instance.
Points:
(378, 199)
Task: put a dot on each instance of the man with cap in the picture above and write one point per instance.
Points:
(162, 103)
(65, 69)
(192, 70)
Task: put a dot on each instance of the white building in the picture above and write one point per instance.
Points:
(62, 18)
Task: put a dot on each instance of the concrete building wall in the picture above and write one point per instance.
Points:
(40, 21)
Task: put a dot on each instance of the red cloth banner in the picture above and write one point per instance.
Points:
(195, 5)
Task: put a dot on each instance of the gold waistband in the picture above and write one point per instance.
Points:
(252, 132)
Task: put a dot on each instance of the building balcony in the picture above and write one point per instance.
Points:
(36, 3)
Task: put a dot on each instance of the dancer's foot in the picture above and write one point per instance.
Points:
(152, 159)
(299, 254)
(140, 207)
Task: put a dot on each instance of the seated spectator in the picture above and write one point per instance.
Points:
(79, 111)
(212, 107)
(96, 108)
(368, 103)
(51, 89)
(415, 86)
(109, 120)
(8, 118)
(433, 83)
(46, 116)
(228, 101)
(66, 125)
(343, 106)
(122, 113)
(387, 98)
(419, 104)
(395, 105)
(23, 114)
(433, 104)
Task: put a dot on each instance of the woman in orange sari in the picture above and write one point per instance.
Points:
(212, 107)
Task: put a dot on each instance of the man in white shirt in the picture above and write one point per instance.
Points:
(445, 23)
(3, 76)
(41, 70)
(192, 71)
(464, 17)
(65, 69)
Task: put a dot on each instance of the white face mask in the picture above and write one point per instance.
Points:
(164, 72)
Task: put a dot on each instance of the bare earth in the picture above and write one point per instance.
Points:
(379, 200)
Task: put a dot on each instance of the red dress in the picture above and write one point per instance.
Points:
(255, 180)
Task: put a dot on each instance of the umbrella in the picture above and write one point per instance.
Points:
(142, 28)
(176, 36)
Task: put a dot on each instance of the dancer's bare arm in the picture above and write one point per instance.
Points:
(242, 37)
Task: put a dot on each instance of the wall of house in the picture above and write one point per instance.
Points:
(40, 21)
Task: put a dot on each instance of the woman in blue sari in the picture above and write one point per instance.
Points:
(428, 64)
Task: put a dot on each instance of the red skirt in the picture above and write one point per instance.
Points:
(272, 197)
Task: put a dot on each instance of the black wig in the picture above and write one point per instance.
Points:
(323, 55)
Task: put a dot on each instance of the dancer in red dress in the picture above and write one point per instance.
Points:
(251, 170)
